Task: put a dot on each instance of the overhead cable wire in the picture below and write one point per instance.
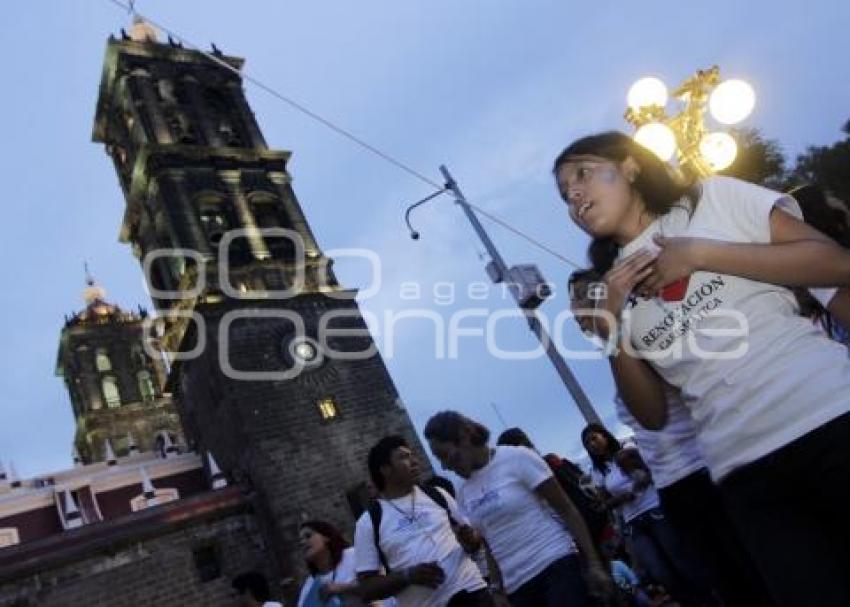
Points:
(300, 107)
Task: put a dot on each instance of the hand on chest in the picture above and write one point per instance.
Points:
(700, 300)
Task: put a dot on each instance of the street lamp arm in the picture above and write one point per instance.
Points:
(413, 233)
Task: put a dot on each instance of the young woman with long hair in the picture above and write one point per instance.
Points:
(509, 496)
(331, 563)
(626, 487)
(691, 502)
(692, 299)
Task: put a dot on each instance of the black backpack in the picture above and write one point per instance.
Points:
(376, 512)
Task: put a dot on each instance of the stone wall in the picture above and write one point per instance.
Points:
(184, 554)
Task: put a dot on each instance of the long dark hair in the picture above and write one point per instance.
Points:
(447, 426)
(612, 447)
(336, 542)
(515, 437)
(832, 220)
(655, 182)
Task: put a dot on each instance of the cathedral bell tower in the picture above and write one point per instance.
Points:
(115, 387)
(272, 366)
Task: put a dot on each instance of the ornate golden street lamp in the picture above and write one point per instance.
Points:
(699, 152)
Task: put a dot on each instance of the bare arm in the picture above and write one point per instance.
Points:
(598, 579)
(342, 589)
(494, 572)
(550, 491)
(641, 479)
(641, 389)
(797, 255)
(639, 386)
(373, 586)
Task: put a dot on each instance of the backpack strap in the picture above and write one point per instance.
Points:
(375, 514)
(440, 499)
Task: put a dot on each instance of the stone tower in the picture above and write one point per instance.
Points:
(272, 366)
(115, 387)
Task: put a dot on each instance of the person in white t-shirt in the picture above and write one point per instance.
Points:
(330, 561)
(692, 503)
(692, 275)
(625, 485)
(528, 523)
(415, 555)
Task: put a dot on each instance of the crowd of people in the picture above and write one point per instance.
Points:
(733, 486)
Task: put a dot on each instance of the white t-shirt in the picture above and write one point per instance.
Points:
(344, 573)
(415, 529)
(773, 383)
(524, 534)
(671, 453)
(616, 482)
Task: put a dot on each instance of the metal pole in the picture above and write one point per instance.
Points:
(570, 381)
(499, 415)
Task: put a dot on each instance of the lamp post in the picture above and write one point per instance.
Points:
(527, 286)
(684, 134)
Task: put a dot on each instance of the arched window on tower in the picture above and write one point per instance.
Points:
(269, 214)
(111, 395)
(213, 215)
(265, 213)
(101, 360)
(220, 109)
(138, 355)
(146, 387)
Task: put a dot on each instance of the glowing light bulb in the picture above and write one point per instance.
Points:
(647, 91)
(659, 138)
(732, 101)
(719, 150)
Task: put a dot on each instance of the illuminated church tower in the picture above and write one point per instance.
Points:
(115, 387)
(242, 289)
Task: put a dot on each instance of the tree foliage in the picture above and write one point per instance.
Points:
(827, 166)
(760, 160)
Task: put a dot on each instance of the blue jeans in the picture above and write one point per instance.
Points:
(658, 550)
(560, 584)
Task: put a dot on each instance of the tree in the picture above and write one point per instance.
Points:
(759, 160)
(827, 167)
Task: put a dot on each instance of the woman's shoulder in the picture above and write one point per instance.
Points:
(517, 458)
(722, 189)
